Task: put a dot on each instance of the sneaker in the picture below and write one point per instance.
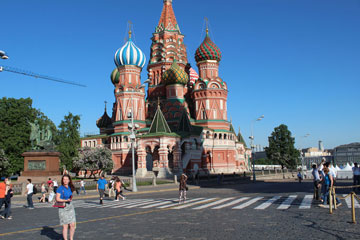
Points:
(116, 200)
(2, 217)
(30, 208)
(9, 218)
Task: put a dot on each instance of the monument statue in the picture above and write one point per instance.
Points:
(41, 139)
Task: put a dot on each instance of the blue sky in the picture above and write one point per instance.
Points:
(297, 62)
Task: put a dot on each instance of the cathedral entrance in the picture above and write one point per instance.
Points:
(149, 159)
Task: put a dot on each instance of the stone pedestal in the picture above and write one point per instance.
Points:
(39, 166)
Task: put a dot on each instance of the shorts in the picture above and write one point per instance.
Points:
(101, 192)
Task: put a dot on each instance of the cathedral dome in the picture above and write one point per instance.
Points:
(115, 75)
(130, 54)
(104, 121)
(207, 50)
(175, 74)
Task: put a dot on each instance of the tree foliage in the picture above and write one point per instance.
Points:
(68, 139)
(15, 115)
(4, 164)
(281, 147)
(94, 159)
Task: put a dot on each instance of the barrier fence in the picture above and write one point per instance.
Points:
(332, 199)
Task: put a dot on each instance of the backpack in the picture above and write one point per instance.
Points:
(35, 191)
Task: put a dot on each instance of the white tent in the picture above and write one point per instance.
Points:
(337, 168)
(347, 167)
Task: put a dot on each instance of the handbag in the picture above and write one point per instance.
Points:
(59, 204)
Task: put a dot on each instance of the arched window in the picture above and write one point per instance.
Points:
(220, 136)
(225, 136)
(215, 136)
(207, 134)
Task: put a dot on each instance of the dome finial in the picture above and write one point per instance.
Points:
(105, 104)
(207, 25)
(130, 25)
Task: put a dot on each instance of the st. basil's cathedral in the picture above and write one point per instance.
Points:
(182, 122)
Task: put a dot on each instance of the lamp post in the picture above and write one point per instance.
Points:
(301, 154)
(252, 145)
(133, 128)
(3, 55)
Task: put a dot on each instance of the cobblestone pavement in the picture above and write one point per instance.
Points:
(278, 210)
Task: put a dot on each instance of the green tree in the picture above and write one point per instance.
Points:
(281, 147)
(4, 164)
(68, 139)
(15, 115)
(94, 159)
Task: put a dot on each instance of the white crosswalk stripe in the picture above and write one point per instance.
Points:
(214, 203)
(248, 203)
(194, 203)
(348, 202)
(268, 203)
(286, 204)
(175, 204)
(231, 203)
(234, 203)
(306, 202)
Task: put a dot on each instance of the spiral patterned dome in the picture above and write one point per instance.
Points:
(130, 54)
(115, 75)
(207, 51)
(175, 74)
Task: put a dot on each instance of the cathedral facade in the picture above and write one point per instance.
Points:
(181, 122)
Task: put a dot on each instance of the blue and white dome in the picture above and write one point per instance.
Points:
(130, 54)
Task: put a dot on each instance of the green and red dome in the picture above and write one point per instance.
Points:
(207, 51)
(115, 76)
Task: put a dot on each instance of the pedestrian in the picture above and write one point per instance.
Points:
(2, 193)
(67, 215)
(43, 193)
(55, 185)
(118, 189)
(29, 194)
(51, 193)
(182, 188)
(299, 177)
(100, 187)
(112, 187)
(356, 176)
(49, 182)
(82, 186)
(317, 182)
(8, 195)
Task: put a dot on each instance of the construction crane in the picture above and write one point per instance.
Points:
(3, 55)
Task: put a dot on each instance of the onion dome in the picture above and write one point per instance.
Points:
(130, 54)
(207, 50)
(104, 121)
(115, 75)
(193, 76)
(175, 74)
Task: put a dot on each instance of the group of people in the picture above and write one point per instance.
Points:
(6, 193)
(115, 187)
(324, 179)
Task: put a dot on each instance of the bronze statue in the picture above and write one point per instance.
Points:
(41, 139)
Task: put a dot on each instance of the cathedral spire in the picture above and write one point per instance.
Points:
(167, 19)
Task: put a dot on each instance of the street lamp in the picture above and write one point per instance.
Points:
(301, 154)
(252, 145)
(3, 55)
(132, 136)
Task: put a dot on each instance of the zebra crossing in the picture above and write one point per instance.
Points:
(235, 203)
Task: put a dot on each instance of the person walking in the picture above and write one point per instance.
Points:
(8, 195)
(67, 215)
(182, 188)
(52, 194)
(356, 176)
(29, 194)
(49, 182)
(82, 186)
(317, 182)
(112, 188)
(43, 193)
(300, 178)
(118, 189)
(2, 193)
(100, 187)
(55, 185)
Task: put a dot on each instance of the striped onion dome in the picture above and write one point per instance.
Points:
(115, 75)
(207, 51)
(175, 74)
(130, 54)
(193, 76)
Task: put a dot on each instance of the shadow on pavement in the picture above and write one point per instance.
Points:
(50, 233)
